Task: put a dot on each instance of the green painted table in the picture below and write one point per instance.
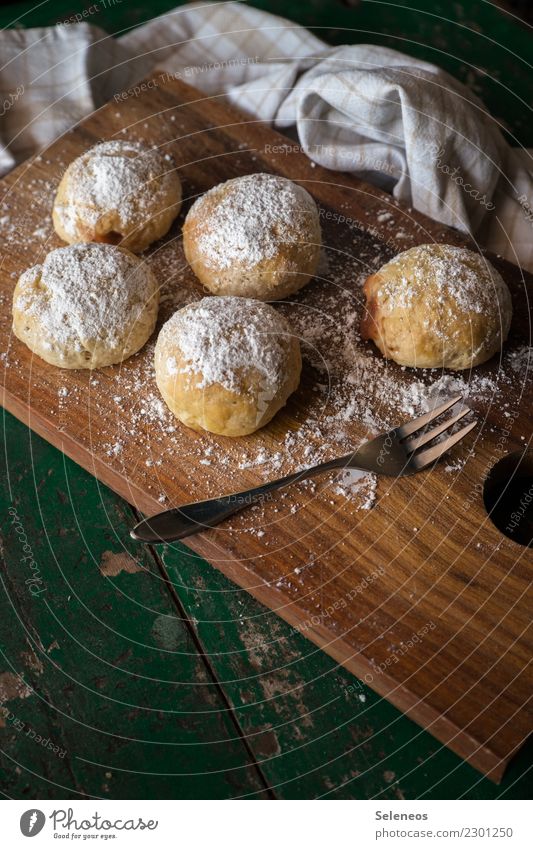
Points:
(134, 673)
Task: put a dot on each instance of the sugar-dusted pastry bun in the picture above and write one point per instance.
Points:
(118, 192)
(437, 306)
(227, 364)
(256, 237)
(86, 306)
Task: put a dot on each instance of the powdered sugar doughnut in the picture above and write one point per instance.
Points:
(118, 192)
(437, 306)
(86, 306)
(227, 364)
(256, 236)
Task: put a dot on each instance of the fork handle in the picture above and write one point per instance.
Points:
(182, 522)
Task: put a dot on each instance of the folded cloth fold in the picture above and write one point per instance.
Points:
(403, 124)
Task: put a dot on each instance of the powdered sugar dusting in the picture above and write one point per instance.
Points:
(345, 384)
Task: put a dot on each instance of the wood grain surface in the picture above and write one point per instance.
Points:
(421, 596)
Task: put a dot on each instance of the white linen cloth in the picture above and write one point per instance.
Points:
(401, 123)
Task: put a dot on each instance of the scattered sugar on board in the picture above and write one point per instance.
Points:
(453, 275)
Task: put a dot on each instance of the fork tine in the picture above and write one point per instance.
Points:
(418, 441)
(431, 454)
(414, 425)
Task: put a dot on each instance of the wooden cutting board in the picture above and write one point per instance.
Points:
(406, 582)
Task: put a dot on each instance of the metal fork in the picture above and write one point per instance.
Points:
(394, 453)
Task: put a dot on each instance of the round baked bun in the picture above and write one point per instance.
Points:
(118, 192)
(256, 237)
(86, 306)
(437, 306)
(227, 365)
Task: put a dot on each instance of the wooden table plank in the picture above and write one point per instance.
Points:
(316, 730)
(113, 674)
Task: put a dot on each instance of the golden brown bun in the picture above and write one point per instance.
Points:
(437, 306)
(256, 236)
(227, 365)
(118, 192)
(86, 306)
